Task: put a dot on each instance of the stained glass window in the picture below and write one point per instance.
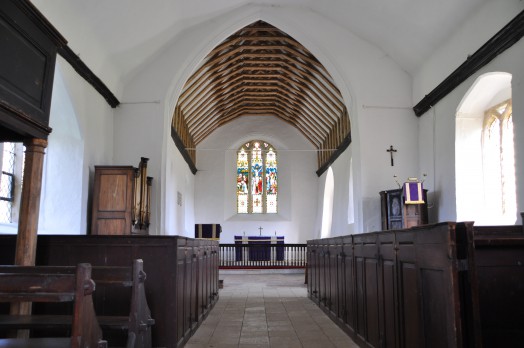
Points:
(257, 183)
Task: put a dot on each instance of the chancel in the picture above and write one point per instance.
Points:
(264, 126)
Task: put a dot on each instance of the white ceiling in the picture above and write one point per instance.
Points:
(131, 31)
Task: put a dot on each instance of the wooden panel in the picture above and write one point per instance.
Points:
(180, 287)
(499, 255)
(434, 303)
(371, 301)
(323, 274)
(349, 285)
(388, 298)
(406, 288)
(360, 298)
(29, 45)
(333, 256)
(112, 226)
(387, 294)
(113, 200)
(23, 65)
(113, 192)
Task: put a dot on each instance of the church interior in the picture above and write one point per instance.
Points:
(313, 124)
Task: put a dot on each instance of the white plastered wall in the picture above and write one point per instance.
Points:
(376, 91)
(82, 137)
(437, 126)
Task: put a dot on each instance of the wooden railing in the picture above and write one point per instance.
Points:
(259, 256)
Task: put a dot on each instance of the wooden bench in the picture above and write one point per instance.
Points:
(111, 282)
(34, 285)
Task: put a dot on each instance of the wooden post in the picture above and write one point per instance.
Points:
(30, 203)
(25, 252)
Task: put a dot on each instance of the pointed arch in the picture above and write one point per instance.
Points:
(485, 170)
(260, 70)
(327, 209)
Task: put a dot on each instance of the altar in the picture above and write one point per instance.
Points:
(259, 248)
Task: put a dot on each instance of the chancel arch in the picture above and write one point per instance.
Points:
(262, 71)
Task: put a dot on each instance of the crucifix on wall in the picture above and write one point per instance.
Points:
(391, 150)
(260, 229)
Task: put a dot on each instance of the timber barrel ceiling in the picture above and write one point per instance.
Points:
(261, 70)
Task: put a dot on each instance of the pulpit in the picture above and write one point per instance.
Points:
(398, 213)
(260, 248)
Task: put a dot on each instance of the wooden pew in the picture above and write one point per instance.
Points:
(400, 288)
(499, 255)
(112, 282)
(173, 278)
(33, 285)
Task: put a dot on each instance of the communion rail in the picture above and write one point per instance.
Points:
(259, 256)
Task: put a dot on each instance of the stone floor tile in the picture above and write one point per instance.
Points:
(252, 329)
(283, 333)
(281, 327)
(284, 343)
(254, 340)
(268, 311)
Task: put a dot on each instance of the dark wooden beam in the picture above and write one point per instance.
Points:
(83, 70)
(500, 42)
(343, 146)
(180, 145)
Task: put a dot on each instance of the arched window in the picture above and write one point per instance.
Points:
(257, 176)
(499, 160)
(327, 208)
(484, 153)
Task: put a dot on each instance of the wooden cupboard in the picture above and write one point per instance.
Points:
(112, 200)
(121, 200)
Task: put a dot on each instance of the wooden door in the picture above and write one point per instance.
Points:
(112, 200)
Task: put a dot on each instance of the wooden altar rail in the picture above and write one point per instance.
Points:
(283, 256)
(405, 288)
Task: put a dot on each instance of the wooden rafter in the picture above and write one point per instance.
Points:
(261, 70)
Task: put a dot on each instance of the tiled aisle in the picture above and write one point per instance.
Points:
(267, 310)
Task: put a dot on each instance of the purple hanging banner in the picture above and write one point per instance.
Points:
(413, 193)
